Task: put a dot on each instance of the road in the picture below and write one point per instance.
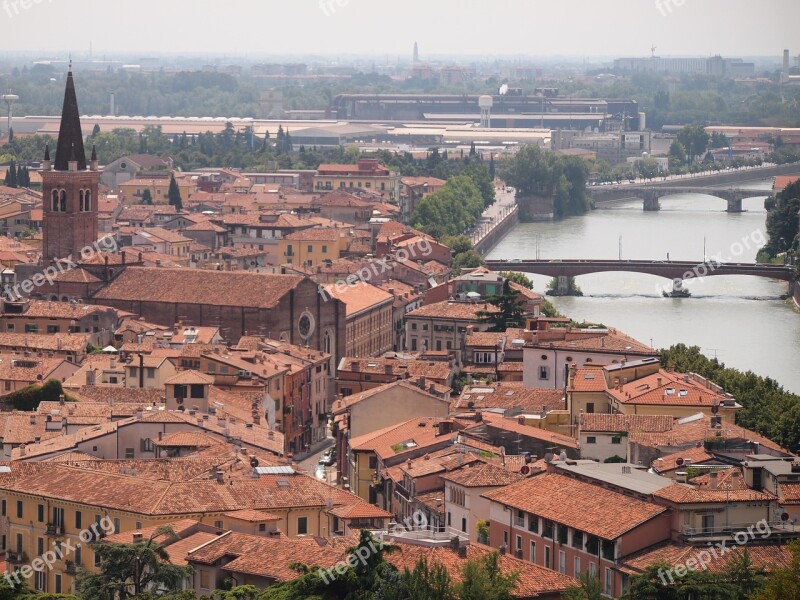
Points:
(311, 465)
(504, 202)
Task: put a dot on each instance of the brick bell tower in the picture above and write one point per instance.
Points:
(70, 190)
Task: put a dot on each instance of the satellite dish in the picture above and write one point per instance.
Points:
(714, 407)
(784, 516)
(548, 457)
(254, 462)
(679, 461)
(525, 469)
(329, 503)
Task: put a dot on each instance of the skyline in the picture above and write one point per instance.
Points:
(509, 28)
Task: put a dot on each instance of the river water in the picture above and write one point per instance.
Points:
(741, 320)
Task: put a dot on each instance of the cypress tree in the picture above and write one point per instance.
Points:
(174, 194)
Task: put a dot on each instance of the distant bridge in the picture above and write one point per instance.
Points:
(651, 195)
(677, 271)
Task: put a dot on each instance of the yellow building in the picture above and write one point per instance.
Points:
(313, 246)
(368, 175)
(369, 317)
(64, 507)
(642, 387)
(131, 191)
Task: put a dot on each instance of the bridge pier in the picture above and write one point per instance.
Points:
(735, 204)
(563, 285)
(651, 202)
(678, 290)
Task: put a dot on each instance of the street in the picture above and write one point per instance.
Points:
(311, 465)
(504, 202)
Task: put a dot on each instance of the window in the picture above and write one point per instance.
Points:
(197, 390)
(519, 543)
(533, 523)
(533, 552)
(449, 519)
(40, 513)
(324, 248)
(147, 445)
(547, 561)
(302, 525)
(58, 517)
(19, 543)
(137, 525)
(9, 327)
(58, 583)
(218, 524)
(562, 561)
(463, 524)
(151, 372)
(413, 344)
(31, 328)
(577, 572)
(3, 507)
(129, 453)
(609, 581)
(203, 579)
(19, 509)
(117, 526)
(53, 329)
(544, 372)
(590, 407)
(616, 439)
(39, 546)
(547, 529)
(577, 539)
(591, 439)
(413, 327)
(39, 580)
(373, 462)
(78, 554)
(262, 527)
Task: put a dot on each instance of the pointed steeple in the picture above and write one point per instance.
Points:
(94, 153)
(47, 152)
(70, 136)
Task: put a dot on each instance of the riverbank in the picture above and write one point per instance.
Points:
(497, 231)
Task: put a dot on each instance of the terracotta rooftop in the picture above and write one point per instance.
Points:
(584, 506)
(509, 396)
(465, 311)
(481, 474)
(616, 423)
(192, 286)
(730, 487)
(358, 297)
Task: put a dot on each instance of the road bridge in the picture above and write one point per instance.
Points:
(651, 195)
(677, 271)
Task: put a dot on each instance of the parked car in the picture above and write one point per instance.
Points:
(328, 458)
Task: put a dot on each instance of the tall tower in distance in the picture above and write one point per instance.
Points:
(416, 53)
(785, 69)
(10, 99)
(69, 189)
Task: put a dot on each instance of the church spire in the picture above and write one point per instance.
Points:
(70, 136)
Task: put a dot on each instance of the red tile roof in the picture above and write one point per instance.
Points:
(585, 506)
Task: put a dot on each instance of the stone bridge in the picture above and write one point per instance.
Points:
(677, 271)
(651, 195)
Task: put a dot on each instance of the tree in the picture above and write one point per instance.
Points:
(782, 222)
(11, 175)
(128, 570)
(783, 583)
(95, 130)
(510, 313)
(482, 579)
(648, 168)
(147, 197)
(519, 278)
(174, 194)
(588, 588)
(695, 139)
(491, 167)
(677, 154)
(660, 582)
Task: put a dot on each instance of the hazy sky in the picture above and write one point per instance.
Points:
(389, 29)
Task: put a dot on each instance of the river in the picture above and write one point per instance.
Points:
(741, 320)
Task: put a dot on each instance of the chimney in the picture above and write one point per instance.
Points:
(658, 381)
(90, 377)
(421, 382)
(137, 537)
(33, 419)
(712, 480)
(355, 365)
(61, 399)
(221, 421)
(680, 477)
(388, 368)
(220, 475)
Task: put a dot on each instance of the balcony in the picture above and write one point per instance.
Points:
(16, 557)
(54, 530)
(70, 567)
(773, 529)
